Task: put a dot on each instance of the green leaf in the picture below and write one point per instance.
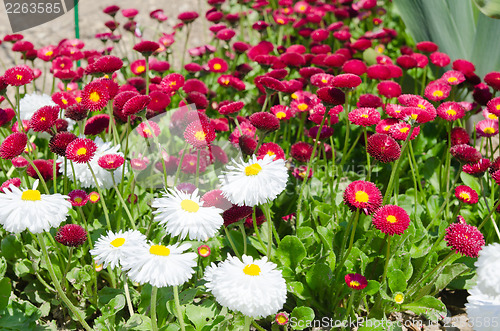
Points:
(203, 314)
(429, 306)
(291, 252)
(397, 280)
(490, 8)
(306, 235)
(326, 236)
(298, 289)
(301, 317)
(470, 181)
(138, 322)
(23, 268)
(319, 277)
(11, 247)
(449, 273)
(3, 266)
(372, 288)
(5, 290)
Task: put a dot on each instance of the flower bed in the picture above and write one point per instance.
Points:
(311, 166)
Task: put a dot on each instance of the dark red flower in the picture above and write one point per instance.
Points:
(76, 112)
(78, 198)
(199, 134)
(466, 194)
(465, 153)
(106, 64)
(44, 118)
(346, 81)
(81, 150)
(427, 46)
(391, 220)
(96, 124)
(136, 104)
(187, 17)
(265, 121)
(356, 281)
(493, 80)
(271, 149)
(59, 142)
(389, 89)
(232, 107)
(301, 151)
(477, 169)
(459, 136)
(383, 148)
(146, 47)
(13, 145)
(111, 162)
(71, 235)
(464, 239)
(406, 62)
(45, 167)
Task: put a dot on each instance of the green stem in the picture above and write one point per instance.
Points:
(244, 235)
(127, 211)
(367, 156)
(178, 308)
(55, 281)
(103, 203)
(127, 295)
(228, 235)
(387, 258)
(154, 323)
(267, 212)
(248, 321)
(256, 229)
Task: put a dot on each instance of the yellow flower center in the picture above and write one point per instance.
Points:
(492, 116)
(391, 219)
(387, 127)
(159, 250)
(364, 115)
(414, 116)
(94, 97)
(31, 195)
(361, 196)
(49, 53)
(324, 81)
(252, 270)
(452, 79)
(498, 106)
(451, 112)
(489, 130)
(280, 115)
(302, 106)
(118, 242)
(281, 319)
(404, 130)
(437, 93)
(78, 199)
(140, 69)
(464, 195)
(302, 8)
(173, 83)
(200, 135)
(225, 82)
(217, 66)
(399, 298)
(78, 99)
(190, 206)
(81, 151)
(43, 119)
(270, 153)
(280, 21)
(94, 197)
(294, 96)
(203, 251)
(64, 101)
(354, 283)
(421, 106)
(253, 169)
(19, 77)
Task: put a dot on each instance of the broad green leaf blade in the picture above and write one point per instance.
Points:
(490, 8)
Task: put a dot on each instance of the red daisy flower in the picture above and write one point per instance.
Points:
(215, 198)
(331, 96)
(106, 64)
(271, 149)
(76, 112)
(389, 89)
(282, 112)
(96, 124)
(63, 99)
(356, 281)
(384, 125)
(217, 65)
(391, 220)
(463, 66)
(247, 144)
(78, 198)
(465, 153)
(19, 162)
(493, 80)
(401, 130)
(246, 129)
(71, 235)
(199, 134)
(301, 151)
(406, 62)
(487, 128)
(188, 16)
(45, 167)
(416, 114)
(111, 162)
(346, 81)
(18, 75)
(379, 72)
(477, 169)
(450, 111)
(321, 79)
(204, 251)
(95, 96)
(269, 84)
(44, 118)
(13, 181)
(189, 164)
(144, 129)
(138, 67)
(482, 94)
(464, 239)
(427, 46)
(265, 121)
(363, 195)
(440, 59)
(453, 77)
(146, 47)
(81, 150)
(325, 132)
(172, 82)
(236, 213)
(136, 104)
(300, 172)
(13, 145)
(383, 148)
(488, 115)
(466, 194)
(94, 197)
(59, 142)
(195, 85)
(364, 116)
(231, 107)
(437, 91)
(459, 136)
(369, 100)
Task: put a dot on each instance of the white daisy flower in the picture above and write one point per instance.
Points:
(488, 264)
(482, 308)
(29, 209)
(104, 178)
(183, 215)
(111, 248)
(254, 182)
(160, 265)
(30, 103)
(253, 287)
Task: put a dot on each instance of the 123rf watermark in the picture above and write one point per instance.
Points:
(349, 324)
(26, 14)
